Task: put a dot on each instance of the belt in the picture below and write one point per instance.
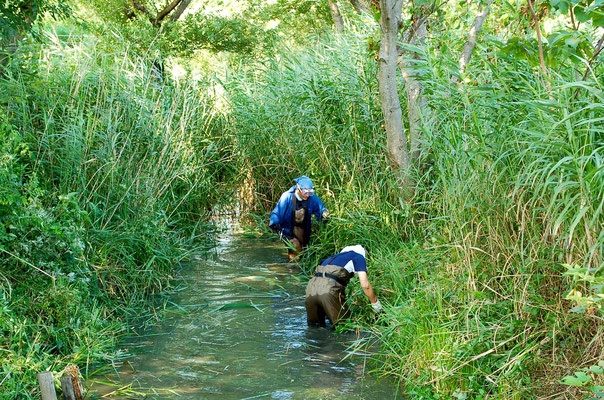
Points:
(327, 275)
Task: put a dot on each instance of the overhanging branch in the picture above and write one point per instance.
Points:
(167, 10)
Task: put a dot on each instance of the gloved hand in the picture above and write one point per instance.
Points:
(277, 229)
(325, 217)
(377, 307)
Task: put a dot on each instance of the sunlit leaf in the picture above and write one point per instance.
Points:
(580, 379)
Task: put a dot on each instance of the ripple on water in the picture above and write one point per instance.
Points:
(243, 336)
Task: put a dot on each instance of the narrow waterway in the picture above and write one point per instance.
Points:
(240, 333)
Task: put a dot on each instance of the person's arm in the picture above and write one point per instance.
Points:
(276, 219)
(367, 288)
(320, 211)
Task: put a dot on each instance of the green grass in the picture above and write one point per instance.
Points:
(471, 272)
(108, 175)
(490, 277)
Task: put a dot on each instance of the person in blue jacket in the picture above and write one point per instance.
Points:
(291, 216)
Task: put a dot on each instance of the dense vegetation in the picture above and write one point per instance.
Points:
(489, 272)
(106, 177)
(473, 269)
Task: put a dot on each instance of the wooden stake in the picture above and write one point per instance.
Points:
(47, 386)
(70, 383)
(67, 388)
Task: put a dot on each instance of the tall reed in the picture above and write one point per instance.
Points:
(116, 170)
(510, 189)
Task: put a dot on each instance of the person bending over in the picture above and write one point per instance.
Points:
(326, 290)
(291, 216)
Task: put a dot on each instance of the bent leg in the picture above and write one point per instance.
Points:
(334, 304)
(315, 315)
(294, 255)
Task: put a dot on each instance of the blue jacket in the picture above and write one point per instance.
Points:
(281, 217)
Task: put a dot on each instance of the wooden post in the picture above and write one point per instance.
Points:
(67, 388)
(47, 386)
(70, 384)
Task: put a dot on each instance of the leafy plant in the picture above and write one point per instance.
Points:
(583, 378)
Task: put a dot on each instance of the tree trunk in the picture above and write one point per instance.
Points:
(548, 85)
(335, 14)
(164, 13)
(391, 107)
(361, 6)
(181, 8)
(408, 61)
(468, 48)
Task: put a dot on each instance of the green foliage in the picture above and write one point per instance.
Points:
(509, 191)
(584, 377)
(240, 27)
(584, 279)
(106, 166)
(216, 34)
(561, 47)
(585, 10)
(295, 19)
(17, 16)
(12, 149)
(106, 174)
(314, 113)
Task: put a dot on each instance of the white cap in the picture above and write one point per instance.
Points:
(356, 248)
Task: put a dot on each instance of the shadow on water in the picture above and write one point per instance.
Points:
(241, 333)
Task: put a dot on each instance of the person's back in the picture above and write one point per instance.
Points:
(326, 291)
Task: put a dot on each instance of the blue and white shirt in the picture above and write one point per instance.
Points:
(351, 261)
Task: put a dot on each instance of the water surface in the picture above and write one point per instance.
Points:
(239, 332)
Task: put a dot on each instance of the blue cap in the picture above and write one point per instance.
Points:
(304, 182)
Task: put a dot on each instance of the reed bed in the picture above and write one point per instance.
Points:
(490, 274)
(109, 172)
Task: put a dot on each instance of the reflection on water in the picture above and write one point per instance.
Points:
(243, 336)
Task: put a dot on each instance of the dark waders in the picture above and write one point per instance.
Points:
(326, 295)
(301, 228)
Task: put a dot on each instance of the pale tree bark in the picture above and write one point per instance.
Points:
(470, 44)
(361, 6)
(335, 14)
(410, 69)
(390, 20)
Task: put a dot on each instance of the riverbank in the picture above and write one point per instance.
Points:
(488, 274)
(107, 177)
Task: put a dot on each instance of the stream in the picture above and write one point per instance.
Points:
(239, 332)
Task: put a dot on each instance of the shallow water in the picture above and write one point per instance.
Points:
(240, 333)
